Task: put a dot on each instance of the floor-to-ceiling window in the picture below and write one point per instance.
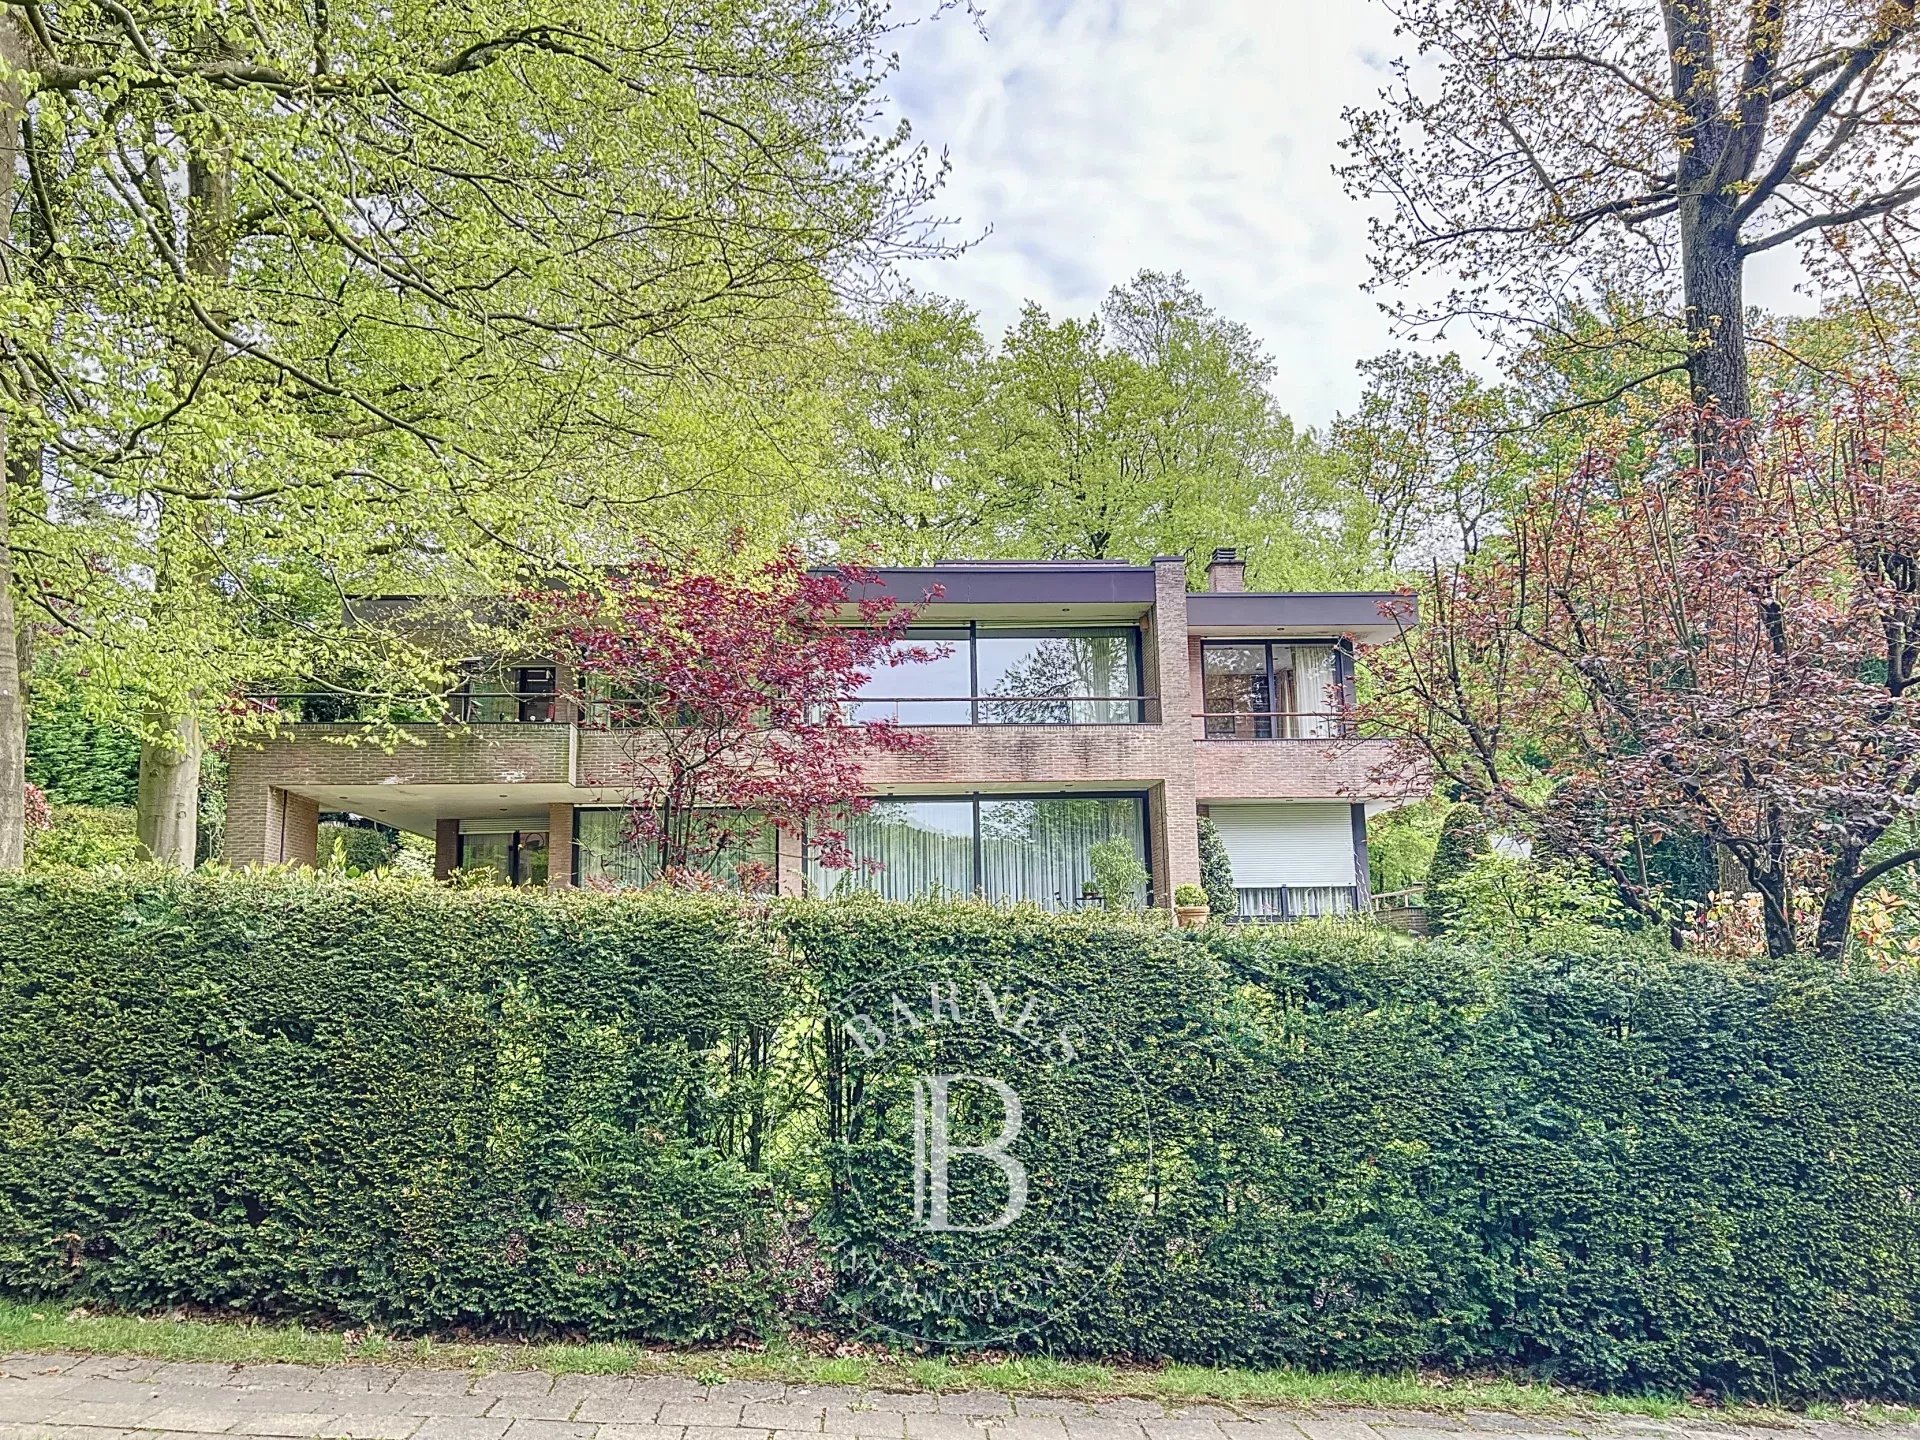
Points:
(1269, 690)
(609, 853)
(1010, 675)
(1006, 848)
(515, 851)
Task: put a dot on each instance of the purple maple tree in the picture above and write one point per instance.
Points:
(726, 692)
(1727, 650)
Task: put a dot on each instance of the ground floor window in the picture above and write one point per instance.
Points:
(608, 853)
(1293, 860)
(1293, 902)
(514, 851)
(1005, 848)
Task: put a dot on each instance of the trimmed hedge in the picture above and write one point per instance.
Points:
(639, 1115)
(397, 1104)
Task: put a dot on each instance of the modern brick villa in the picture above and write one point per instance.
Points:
(1075, 702)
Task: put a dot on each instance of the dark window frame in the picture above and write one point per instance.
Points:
(967, 632)
(514, 851)
(1142, 798)
(1342, 679)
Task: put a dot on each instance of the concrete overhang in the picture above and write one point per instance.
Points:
(1372, 617)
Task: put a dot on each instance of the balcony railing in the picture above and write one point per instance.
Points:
(534, 707)
(916, 711)
(1273, 724)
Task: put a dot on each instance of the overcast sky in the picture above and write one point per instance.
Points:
(1101, 137)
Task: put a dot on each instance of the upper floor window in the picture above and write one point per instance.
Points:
(508, 694)
(1007, 675)
(1269, 690)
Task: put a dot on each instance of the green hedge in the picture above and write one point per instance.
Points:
(645, 1116)
(384, 1103)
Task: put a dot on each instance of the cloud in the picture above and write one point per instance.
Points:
(1101, 137)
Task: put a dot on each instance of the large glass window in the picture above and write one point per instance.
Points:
(1067, 676)
(498, 695)
(1003, 675)
(516, 856)
(610, 853)
(923, 692)
(1038, 849)
(905, 849)
(1265, 690)
(1007, 849)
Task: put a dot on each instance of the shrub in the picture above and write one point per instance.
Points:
(1216, 871)
(78, 760)
(355, 849)
(1117, 873)
(1401, 844)
(1191, 895)
(1511, 900)
(1463, 839)
(85, 836)
(388, 1103)
(640, 1114)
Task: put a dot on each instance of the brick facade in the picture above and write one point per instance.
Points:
(277, 788)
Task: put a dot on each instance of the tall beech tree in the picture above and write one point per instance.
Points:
(1666, 647)
(310, 301)
(1147, 429)
(724, 691)
(1566, 151)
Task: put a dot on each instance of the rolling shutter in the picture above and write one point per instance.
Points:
(1304, 844)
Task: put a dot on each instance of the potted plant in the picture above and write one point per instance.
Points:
(1190, 906)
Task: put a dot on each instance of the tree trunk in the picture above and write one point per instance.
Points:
(13, 705)
(168, 813)
(169, 798)
(1836, 925)
(1711, 278)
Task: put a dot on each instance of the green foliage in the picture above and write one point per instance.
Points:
(1216, 871)
(1189, 894)
(1146, 429)
(1117, 873)
(386, 1102)
(86, 836)
(355, 849)
(78, 760)
(1401, 844)
(1308, 1146)
(1508, 901)
(1463, 839)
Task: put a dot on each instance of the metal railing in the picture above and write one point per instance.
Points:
(915, 711)
(1274, 724)
(544, 707)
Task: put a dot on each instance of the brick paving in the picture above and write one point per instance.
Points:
(75, 1397)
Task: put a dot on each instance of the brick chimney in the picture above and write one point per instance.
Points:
(1227, 573)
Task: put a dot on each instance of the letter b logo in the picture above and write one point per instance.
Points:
(933, 1152)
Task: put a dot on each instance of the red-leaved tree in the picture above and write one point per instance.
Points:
(724, 691)
(1660, 650)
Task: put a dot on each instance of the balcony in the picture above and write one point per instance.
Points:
(920, 712)
(1258, 725)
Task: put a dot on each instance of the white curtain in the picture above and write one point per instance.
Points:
(1314, 695)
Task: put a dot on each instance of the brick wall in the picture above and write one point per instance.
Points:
(1287, 769)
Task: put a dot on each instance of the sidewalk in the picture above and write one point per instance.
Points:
(72, 1397)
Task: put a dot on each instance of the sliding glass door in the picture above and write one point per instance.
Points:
(1007, 849)
(1269, 690)
(610, 854)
